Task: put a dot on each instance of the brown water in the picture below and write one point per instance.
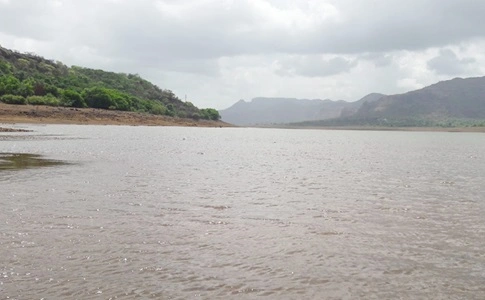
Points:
(180, 213)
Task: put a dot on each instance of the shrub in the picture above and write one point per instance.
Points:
(72, 98)
(9, 85)
(195, 116)
(210, 114)
(158, 109)
(98, 98)
(13, 99)
(43, 100)
(170, 110)
(5, 68)
(121, 101)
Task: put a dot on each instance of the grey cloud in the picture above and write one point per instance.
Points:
(27, 19)
(378, 59)
(313, 66)
(208, 67)
(382, 26)
(448, 63)
(211, 29)
(241, 28)
(235, 41)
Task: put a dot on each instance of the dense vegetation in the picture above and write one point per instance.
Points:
(31, 79)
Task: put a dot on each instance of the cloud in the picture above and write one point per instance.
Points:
(378, 59)
(214, 28)
(448, 63)
(350, 47)
(313, 66)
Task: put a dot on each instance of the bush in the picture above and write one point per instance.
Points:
(72, 98)
(9, 85)
(170, 110)
(5, 68)
(48, 100)
(13, 99)
(158, 109)
(121, 101)
(98, 98)
(210, 114)
(195, 116)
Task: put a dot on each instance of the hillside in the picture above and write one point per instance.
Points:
(353, 107)
(280, 110)
(456, 98)
(453, 103)
(26, 78)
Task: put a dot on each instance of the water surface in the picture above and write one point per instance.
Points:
(177, 213)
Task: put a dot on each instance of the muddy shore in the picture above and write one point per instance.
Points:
(11, 114)
(91, 116)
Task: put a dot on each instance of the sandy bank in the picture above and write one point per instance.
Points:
(69, 115)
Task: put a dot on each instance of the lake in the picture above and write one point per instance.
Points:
(123, 212)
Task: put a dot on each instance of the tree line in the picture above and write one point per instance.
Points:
(30, 79)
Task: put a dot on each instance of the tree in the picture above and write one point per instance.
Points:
(210, 114)
(97, 97)
(5, 68)
(26, 88)
(31, 75)
(73, 98)
(9, 85)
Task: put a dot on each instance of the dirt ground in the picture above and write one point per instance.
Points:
(69, 115)
(10, 114)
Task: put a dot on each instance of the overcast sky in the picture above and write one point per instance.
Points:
(219, 51)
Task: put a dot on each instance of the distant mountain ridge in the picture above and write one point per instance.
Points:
(452, 103)
(457, 98)
(263, 111)
(353, 107)
(459, 102)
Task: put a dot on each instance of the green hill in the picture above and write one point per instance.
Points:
(26, 78)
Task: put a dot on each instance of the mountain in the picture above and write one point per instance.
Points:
(452, 103)
(281, 110)
(456, 98)
(26, 78)
(262, 110)
(353, 107)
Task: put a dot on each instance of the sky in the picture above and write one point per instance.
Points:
(215, 52)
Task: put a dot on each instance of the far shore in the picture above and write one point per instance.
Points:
(381, 128)
(30, 114)
(12, 114)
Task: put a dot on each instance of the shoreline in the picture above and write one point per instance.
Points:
(376, 128)
(30, 114)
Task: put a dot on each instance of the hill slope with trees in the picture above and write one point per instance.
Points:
(26, 78)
